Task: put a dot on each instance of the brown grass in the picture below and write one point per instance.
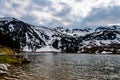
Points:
(6, 50)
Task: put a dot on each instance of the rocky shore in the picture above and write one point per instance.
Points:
(5, 68)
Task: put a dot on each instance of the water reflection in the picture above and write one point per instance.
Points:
(69, 67)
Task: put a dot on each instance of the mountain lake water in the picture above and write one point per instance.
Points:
(59, 66)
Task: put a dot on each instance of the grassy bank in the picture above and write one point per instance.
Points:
(7, 55)
(8, 59)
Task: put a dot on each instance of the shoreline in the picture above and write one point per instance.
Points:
(53, 52)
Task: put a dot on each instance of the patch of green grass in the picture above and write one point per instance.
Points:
(7, 59)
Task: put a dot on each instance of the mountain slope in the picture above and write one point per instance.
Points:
(28, 36)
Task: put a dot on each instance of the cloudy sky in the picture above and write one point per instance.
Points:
(67, 13)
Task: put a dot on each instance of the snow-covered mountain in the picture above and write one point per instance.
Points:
(28, 36)
(39, 38)
(102, 39)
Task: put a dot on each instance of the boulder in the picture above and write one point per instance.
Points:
(3, 69)
(25, 60)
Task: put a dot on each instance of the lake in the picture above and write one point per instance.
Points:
(58, 66)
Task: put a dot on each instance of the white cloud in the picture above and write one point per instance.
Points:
(53, 12)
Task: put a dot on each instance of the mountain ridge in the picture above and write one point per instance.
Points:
(33, 38)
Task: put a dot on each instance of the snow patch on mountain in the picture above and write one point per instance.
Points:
(47, 49)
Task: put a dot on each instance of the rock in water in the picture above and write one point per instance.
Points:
(3, 69)
(26, 60)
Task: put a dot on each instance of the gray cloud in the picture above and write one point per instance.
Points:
(78, 0)
(103, 16)
(55, 23)
(42, 2)
(28, 18)
(65, 10)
